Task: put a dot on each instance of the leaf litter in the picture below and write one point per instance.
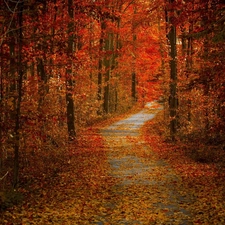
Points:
(112, 177)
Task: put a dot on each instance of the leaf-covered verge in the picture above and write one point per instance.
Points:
(201, 167)
(74, 186)
(68, 186)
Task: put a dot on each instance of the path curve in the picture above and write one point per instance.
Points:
(146, 189)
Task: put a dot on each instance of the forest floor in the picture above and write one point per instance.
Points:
(123, 173)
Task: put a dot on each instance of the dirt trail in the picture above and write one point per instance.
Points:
(147, 190)
(119, 181)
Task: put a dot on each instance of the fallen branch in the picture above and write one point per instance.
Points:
(4, 176)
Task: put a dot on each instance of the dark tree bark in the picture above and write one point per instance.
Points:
(42, 84)
(115, 63)
(1, 113)
(173, 98)
(19, 90)
(100, 62)
(133, 74)
(69, 77)
(107, 64)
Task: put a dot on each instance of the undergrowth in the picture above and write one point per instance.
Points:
(42, 165)
(193, 147)
(198, 163)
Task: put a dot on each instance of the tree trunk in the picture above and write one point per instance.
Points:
(118, 47)
(189, 67)
(100, 62)
(133, 74)
(19, 88)
(173, 99)
(133, 86)
(107, 63)
(42, 84)
(1, 112)
(69, 77)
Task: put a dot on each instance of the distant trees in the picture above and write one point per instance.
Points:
(65, 64)
(200, 40)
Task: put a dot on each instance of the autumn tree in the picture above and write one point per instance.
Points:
(195, 30)
(69, 73)
(172, 37)
(64, 63)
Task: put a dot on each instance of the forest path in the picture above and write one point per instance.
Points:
(147, 190)
(112, 178)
